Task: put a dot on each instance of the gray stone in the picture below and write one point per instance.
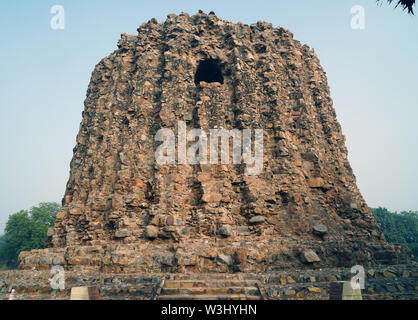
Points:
(45, 260)
(56, 260)
(243, 230)
(122, 233)
(151, 232)
(289, 292)
(320, 230)
(257, 219)
(227, 259)
(164, 259)
(225, 231)
(188, 116)
(310, 256)
(170, 221)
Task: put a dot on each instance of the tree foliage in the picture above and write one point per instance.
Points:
(405, 4)
(399, 227)
(25, 231)
(2, 258)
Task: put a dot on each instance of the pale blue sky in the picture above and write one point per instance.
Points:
(44, 76)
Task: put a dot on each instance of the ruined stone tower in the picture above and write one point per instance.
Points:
(123, 211)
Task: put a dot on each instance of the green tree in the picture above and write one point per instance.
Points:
(25, 231)
(2, 257)
(43, 217)
(399, 227)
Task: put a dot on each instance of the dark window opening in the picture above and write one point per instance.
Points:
(209, 71)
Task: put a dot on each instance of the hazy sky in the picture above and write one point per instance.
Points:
(44, 76)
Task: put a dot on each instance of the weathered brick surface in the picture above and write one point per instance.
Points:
(124, 212)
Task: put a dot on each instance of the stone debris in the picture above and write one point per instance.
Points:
(151, 232)
(225, 231)
(225, 259)
(256, 220)
(320, 230)
(310, 256)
